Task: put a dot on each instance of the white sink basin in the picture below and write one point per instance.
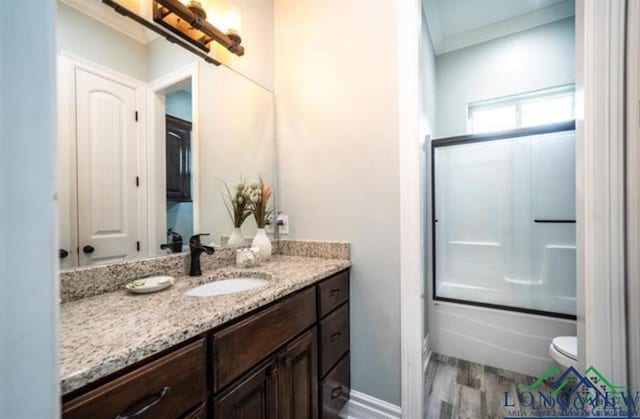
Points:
(226, 286)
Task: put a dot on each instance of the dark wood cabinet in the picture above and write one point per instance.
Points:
(334, 338)
(200, 412)
(334, 344)
(166, 388)
(333, 292)
(298, 378)
(289, 360)
(266, 331)
(254, 396)
(178, 158)
(334, 391)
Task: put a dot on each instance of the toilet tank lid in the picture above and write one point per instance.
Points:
(567, 345)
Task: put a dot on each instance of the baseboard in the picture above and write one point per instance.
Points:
(363, 406)
(426, 352)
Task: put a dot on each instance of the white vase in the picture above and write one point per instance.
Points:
(262, 242)
(236, 238)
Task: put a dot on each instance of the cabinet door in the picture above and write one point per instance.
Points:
(298, 378)
(253, 397)
(178, 159)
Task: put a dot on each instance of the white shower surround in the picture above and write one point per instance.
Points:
(490, 251)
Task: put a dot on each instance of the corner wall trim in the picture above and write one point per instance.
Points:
(426, 352)
(600, 199)
(363, 406)
(409, 21)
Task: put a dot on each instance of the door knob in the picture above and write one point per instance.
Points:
(88, 249)
(62, 253)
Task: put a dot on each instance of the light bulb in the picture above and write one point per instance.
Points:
(231, 22)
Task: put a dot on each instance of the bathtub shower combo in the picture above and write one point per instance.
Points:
(504, 232)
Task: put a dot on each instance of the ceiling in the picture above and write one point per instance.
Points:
(455, 24)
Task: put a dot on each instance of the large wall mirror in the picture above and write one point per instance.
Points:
(149, 133)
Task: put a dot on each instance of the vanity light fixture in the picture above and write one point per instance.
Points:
(189, 21)
(124, 11)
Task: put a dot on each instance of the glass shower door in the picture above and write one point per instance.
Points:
(504, 224)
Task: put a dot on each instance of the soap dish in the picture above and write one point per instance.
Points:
(149, 285)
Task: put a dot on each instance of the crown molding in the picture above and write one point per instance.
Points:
(506, 27)
(96, 10)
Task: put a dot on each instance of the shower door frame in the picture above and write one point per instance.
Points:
(478, 138)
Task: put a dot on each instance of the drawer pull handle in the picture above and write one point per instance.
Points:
(334, 292)
(144, 409)
(336, 392)
(335, 336)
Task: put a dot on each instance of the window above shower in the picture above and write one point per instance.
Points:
(523, 110)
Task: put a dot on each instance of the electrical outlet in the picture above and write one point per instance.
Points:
(269, 228)
(283, 224)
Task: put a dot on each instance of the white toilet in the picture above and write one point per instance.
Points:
(564, 351)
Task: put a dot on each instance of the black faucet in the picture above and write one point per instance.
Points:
(196, 250)
(175, 245)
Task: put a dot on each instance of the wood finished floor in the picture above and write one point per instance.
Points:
(460, 389)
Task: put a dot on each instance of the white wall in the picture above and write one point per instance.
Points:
(86, 37)
(336, 91)
(28, 278)
(256, 30)
(530, 60)
(428, 127)
(428, 80)
(237, 140)
(236, 130)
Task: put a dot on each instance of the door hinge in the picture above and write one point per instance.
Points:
(138, 181)
(138, 246)
(136, 116)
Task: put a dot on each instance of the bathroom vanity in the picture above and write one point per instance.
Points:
(279, 351)
(166, 131)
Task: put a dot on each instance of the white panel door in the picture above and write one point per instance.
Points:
(107, 145)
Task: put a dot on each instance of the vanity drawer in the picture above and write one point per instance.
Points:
(167, 388)
(239, 347)
(199, 412)
(335, 389)
(332, 292)
(334, 338)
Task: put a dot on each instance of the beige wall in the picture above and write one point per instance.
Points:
(256, 30)
(337, 135)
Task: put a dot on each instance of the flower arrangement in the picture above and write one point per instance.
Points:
(237, 203)
(259, 194)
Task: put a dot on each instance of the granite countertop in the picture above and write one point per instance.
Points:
(102, 334)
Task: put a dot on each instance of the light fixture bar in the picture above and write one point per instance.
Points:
(210, 32)
(171, 38)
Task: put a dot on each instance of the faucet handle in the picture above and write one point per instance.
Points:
(195, 239)
(175, 236)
